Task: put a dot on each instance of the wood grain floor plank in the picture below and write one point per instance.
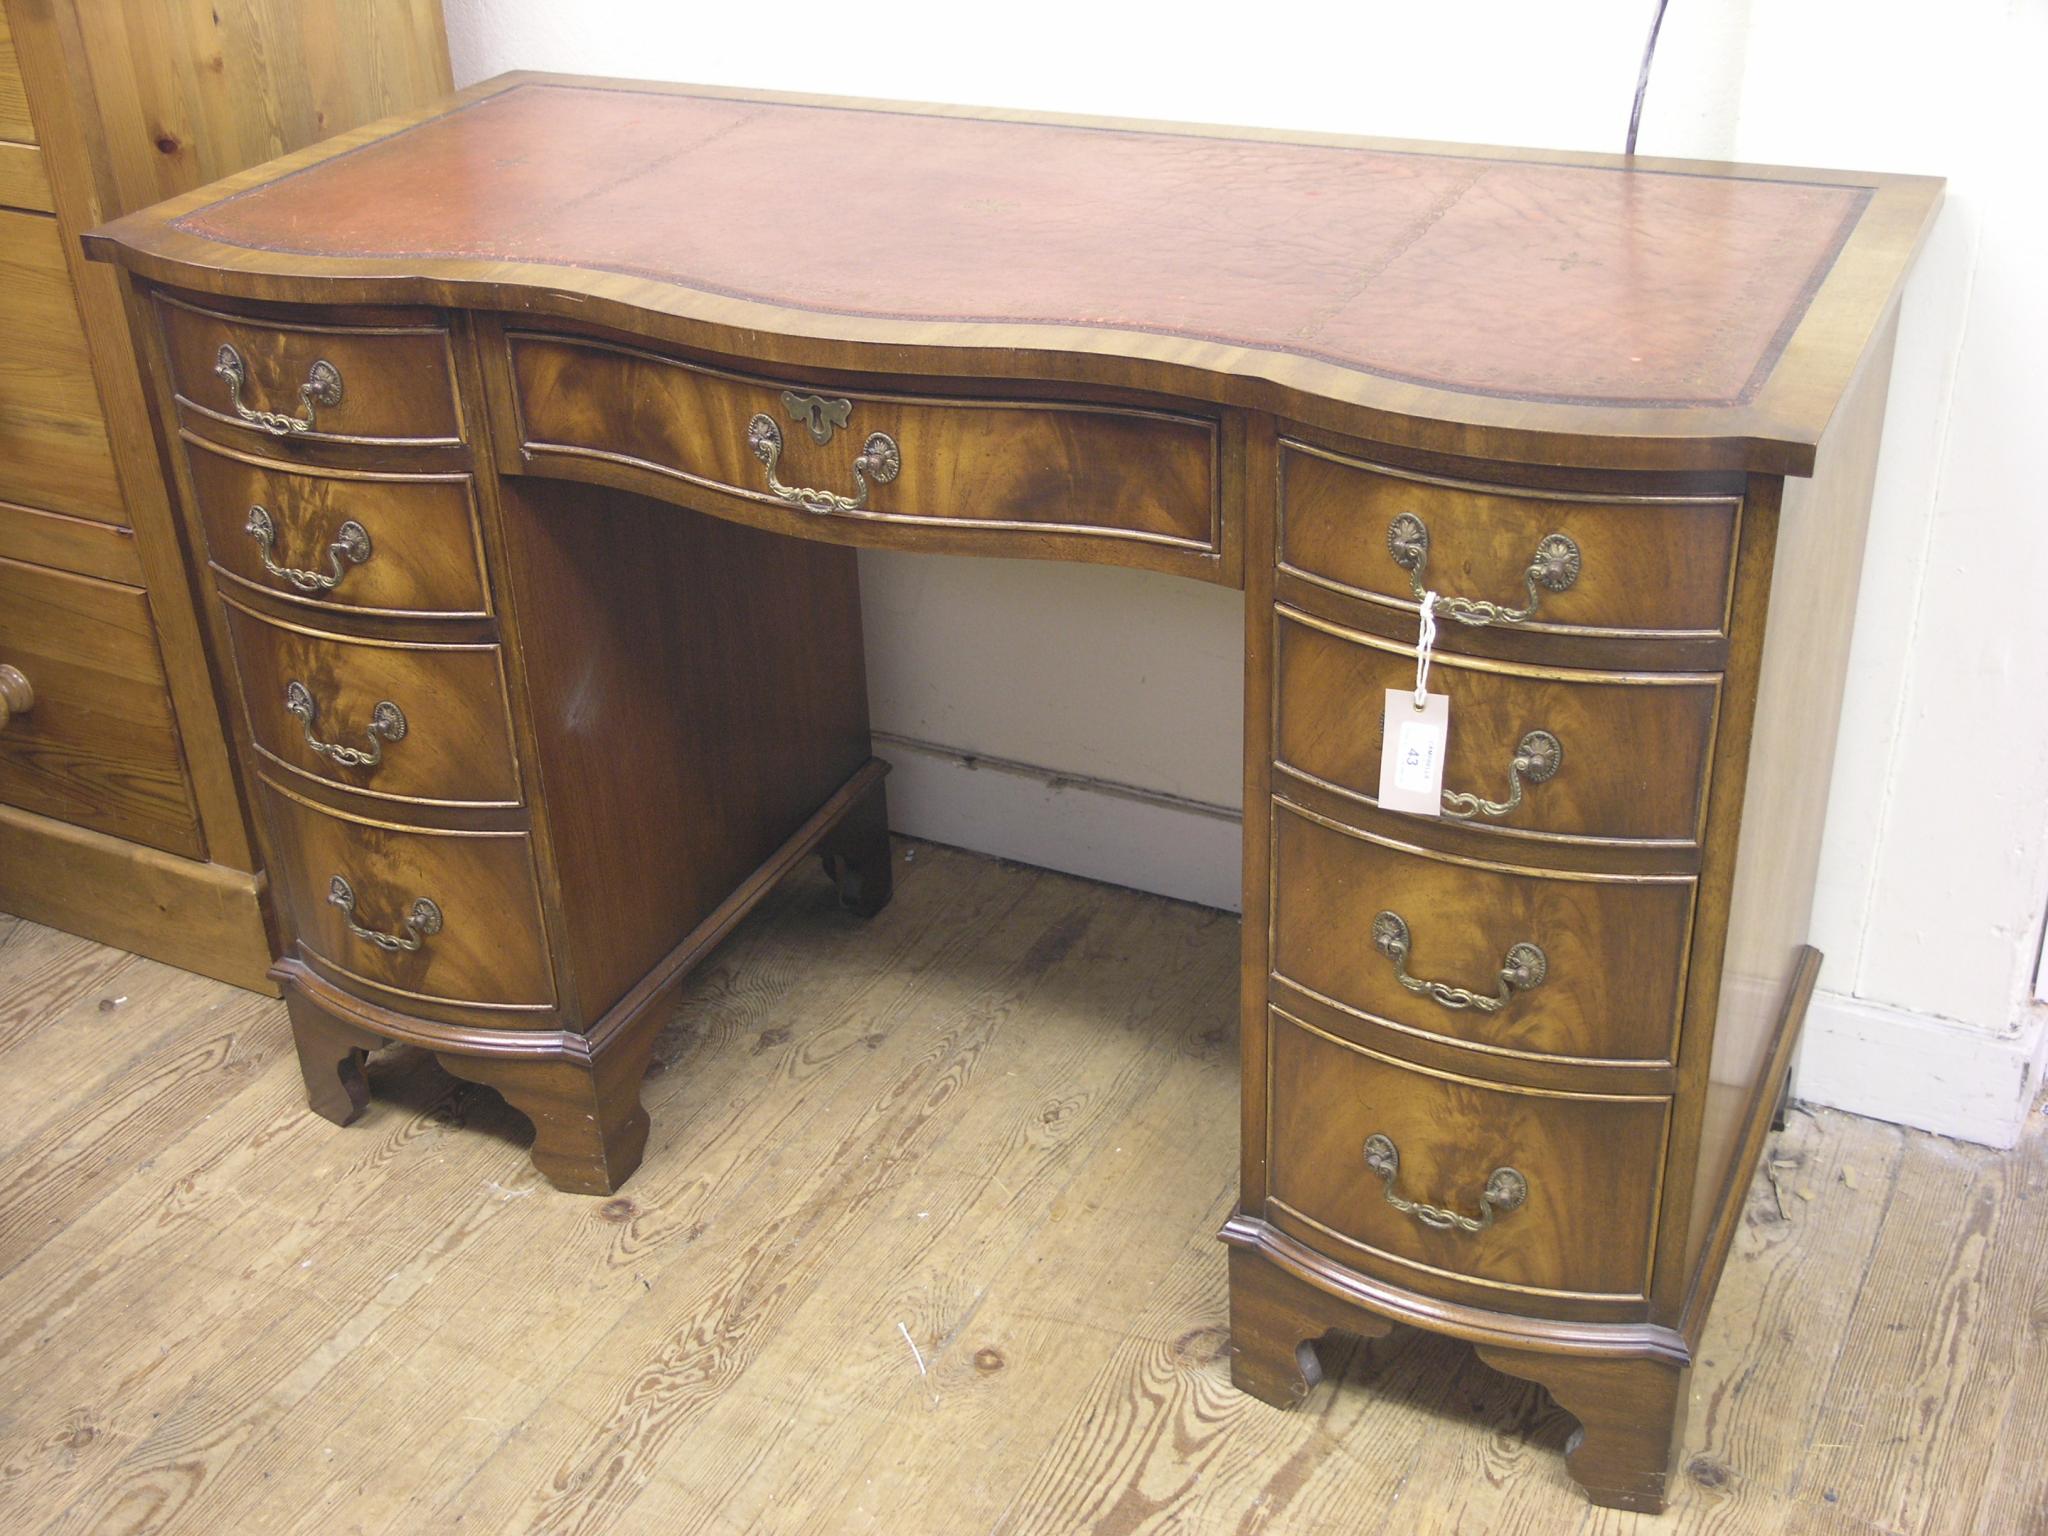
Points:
(1002, 1115)
(1495, 1467)
(1145, 982)
(963, 1437)
(1101, 1295)
(598, 1441)
(752, 1066)
(271, 1280)
(381, 1227)
(1805, 1242)
(114, 1319)
(49, 1179)
(69, 1023)
(2015, 1492)
(743, 1081)
(241, 1487)
(1907, 1428)
(1158, 1441)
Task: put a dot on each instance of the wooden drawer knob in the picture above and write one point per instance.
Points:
(17, 696)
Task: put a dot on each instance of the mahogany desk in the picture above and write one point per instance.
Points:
(523, 442)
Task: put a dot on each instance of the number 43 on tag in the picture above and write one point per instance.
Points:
(1412, 752)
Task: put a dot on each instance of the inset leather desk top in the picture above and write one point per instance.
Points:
(1537, 279)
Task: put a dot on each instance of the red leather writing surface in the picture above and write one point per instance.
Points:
(1488, 276)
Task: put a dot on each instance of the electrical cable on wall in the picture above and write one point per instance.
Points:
(1635, 116)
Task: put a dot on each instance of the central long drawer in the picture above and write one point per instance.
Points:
(1063, 472)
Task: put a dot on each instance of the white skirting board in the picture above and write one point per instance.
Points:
(1113, 832)
(1914, 1070)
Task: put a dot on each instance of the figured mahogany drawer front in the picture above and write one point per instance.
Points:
(353, 542)
(88, 735)
(450, 916)
(1564, 754)
(1535, 1193)
(1512, 961)
(425, 723)
(1510, 557)
(1046, 468)
(310, 382)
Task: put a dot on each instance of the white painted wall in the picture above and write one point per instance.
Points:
(1936, 861)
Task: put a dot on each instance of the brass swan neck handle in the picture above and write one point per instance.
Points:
(1522, 970)
(387, 723)
(422, 920)
(1537, 758)
(880, 461)
(1505, 1191)
(351, 547)
(1554, 567)
(322, 387)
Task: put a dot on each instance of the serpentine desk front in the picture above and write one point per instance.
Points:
(524, 442)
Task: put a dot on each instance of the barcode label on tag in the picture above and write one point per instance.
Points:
(1412, 752)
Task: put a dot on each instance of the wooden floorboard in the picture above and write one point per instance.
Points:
(923, 1243)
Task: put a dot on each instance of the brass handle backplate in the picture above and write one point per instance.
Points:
(421, 923)
(1505, 1191)
(880, 460)
(17, 694)
(1553, 568)
(322, 387)
(1537, 759)
(387, 723)
(351, 546)
(1524, 968)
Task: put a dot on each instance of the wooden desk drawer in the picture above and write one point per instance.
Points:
(53, 438)
(24, 183)
(1589, 1172)
(14, 118)
(433, 721)
(414, 547)
(1635, 565)
(481, 943)
(98, 747)
(380, 384)
(1612, 948)
(1585, 756)
(987, 464)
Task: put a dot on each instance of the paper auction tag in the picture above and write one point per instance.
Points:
(1412, 752)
